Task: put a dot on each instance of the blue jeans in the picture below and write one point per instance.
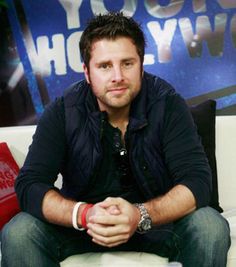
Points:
(200, 239)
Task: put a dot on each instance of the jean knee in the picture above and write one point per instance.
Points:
(210, 226)
(16, 232)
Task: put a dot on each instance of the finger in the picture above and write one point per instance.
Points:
(107, 241)
(110, 201)
(109, 245)
(96, 211)
(109, 234)
(110, 219)
(113, 210)
(104, 230)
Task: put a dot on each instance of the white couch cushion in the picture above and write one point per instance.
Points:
(114, 259)
(231, 218)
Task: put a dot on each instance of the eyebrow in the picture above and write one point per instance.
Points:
(102, 62)
(110, 61)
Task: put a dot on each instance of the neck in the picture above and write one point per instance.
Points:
(119, 118)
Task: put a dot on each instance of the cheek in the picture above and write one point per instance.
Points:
(96, 77)
(98, 81)
(97, 87)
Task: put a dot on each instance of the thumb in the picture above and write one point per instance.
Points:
(113, 210)
(109, 201)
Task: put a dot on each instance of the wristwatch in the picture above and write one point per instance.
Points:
(145, 223)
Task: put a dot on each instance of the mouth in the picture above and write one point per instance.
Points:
(117, 92)
(118, 89)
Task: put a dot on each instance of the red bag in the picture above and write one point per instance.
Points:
(8, 171)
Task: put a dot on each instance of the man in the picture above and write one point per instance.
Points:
(135, 176)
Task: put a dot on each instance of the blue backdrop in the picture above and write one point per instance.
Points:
(192, 44)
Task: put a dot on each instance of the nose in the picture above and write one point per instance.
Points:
(117, 74)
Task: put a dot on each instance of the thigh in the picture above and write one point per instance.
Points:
(203, 223)
(154, 241)
(25, 233)
(201, 238)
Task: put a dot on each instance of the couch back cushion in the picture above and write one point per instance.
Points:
(204, 116)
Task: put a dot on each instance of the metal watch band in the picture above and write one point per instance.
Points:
(145, 223)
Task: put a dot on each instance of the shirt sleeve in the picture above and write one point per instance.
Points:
(44, 160)
(185, 156)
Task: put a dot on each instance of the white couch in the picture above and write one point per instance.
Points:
(19, 138)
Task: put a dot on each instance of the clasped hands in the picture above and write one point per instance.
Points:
(112, 221)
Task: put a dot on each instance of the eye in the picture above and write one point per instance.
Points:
(128, 64)
(104, 66)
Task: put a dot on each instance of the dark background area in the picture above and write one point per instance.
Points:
(16, 106)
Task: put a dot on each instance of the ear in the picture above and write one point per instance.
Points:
(86, 73)
(141, 70)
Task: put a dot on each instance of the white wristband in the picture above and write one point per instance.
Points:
(74, 216)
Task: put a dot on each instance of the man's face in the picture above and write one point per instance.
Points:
(114, 73)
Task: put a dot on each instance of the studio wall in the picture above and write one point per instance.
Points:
(190, 43)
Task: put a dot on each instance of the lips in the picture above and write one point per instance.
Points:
(117, 89)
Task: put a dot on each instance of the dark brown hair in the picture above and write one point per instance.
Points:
(111, 26)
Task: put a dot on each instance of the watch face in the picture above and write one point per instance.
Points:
(145, 225)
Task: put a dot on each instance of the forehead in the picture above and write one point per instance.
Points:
(114, 48)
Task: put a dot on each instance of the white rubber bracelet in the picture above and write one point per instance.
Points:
(74, 216)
